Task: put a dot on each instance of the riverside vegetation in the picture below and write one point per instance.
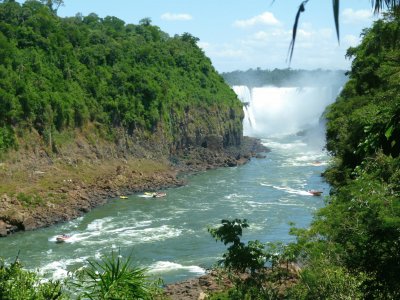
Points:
(350, 250)
(92, 107)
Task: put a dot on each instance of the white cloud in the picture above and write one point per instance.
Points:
(266, 18)
(224, 50)
(351, 16)
(315, 48)
(176, 17)
(351, 40)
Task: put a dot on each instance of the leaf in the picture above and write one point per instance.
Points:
(336, 17)
(294, 31)
(389, 132)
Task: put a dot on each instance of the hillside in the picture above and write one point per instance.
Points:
(94, 104)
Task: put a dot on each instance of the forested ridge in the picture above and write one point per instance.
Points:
(58, 74)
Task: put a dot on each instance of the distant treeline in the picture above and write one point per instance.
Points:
(61, 73)
(285, 77)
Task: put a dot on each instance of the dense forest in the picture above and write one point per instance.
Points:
(360, 225)
(286, 77)
(351, 250)
(58, 74)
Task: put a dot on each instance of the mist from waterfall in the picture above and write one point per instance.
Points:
(276, 111)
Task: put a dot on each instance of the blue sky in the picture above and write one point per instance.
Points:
(243, 34)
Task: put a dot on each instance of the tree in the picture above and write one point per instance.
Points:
(53, 5)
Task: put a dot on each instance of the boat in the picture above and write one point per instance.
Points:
(149, 194)
(62, 238)
(123, 197)
(155, 194)
(159, 195)
(315, 193)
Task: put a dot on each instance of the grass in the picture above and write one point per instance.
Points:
(51, 182)
(37, 175)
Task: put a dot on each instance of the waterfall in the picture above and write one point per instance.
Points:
(273, 111)
(244, 95)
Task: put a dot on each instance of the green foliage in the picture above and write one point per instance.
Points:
(29, 200)
(351, 249)
(114, 278)
(57, 74)
(239, 257)
(16, 284)
(324, 281)
(7, 138)
(256, 269)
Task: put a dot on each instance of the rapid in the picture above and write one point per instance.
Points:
(169, 235)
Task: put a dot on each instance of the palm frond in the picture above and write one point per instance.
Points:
(294, 31)
(336, 17)
(379, 5)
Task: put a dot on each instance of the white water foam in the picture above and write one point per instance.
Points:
(99, 224)
(236, 196)
(167, 266)
(59, 269)
(280, 145)
(288, 190)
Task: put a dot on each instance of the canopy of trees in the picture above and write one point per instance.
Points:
(61, 73)
(351, 250)
(357, 234)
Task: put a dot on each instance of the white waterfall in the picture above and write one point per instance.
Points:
(244, 95)
(272, 111)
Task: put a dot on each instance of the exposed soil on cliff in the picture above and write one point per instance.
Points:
(37, 190)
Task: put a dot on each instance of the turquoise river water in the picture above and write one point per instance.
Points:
(169, 235)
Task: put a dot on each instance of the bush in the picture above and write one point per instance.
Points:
(114, 278)
(17, 283)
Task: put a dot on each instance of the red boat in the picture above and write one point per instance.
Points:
(315, 193)
(62, 238)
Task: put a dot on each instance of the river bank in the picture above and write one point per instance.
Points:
(45, 193)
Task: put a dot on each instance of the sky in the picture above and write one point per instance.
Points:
(244, 34)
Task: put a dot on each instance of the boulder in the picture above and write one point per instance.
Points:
(29, 223)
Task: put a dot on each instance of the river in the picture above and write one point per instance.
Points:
(169, 235)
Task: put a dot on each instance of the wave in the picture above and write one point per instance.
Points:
(167, 266)
(288, 190)
(236, 196)
(59, 269)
